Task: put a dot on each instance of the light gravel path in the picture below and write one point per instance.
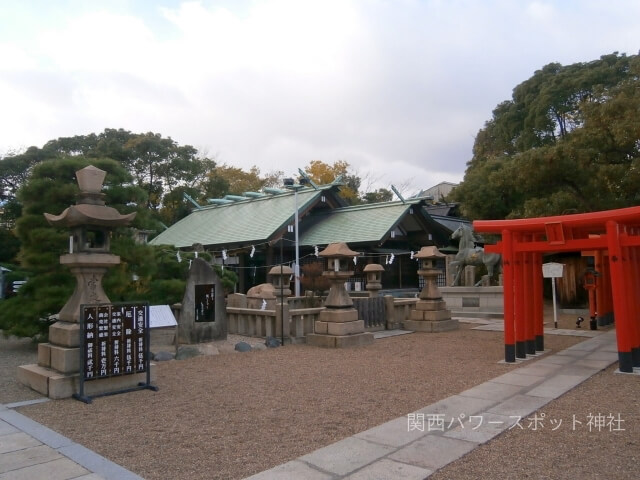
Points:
(233, 415)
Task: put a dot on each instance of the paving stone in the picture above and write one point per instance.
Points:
(40, 432)
(578, 369)
(29, 456)
(293, 470)
(395, 433)
(587, 346)
(17, 441)
(386, 469)
(572, 353)
(538, 369)
(492, 391)
(556, 386)
(97, 463)
(557, 360)
(456, 406)
(5, 428)
(61, 469)
(481, 428)
(519, 406)
(516, 378)
(433, 451)
(347, 455)
(597, 364)
(603, 355)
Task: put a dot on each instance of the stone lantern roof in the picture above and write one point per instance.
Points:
(373, 267)
(281, 270)
(429, 252)
(338, 250)
(90, 208)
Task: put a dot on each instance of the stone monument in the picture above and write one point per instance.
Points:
(338, 325)
(203, 316)
(90, 221)
(431, 313)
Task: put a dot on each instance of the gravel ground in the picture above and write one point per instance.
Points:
(232, 415)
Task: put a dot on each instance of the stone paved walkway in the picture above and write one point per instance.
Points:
(401, 449)
(29, 450)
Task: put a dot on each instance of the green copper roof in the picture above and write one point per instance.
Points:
(245, 221)
(362, 223)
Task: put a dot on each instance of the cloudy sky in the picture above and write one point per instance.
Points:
(397, 88)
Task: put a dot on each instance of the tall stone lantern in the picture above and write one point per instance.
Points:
(90, 223)
(338, 324)
(431, 313)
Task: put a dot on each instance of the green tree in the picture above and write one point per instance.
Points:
(51, 188)
(568, 141)
(377, 196)
(322, 173)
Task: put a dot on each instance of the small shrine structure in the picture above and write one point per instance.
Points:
(611, 237)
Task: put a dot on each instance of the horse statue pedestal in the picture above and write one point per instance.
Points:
(430, 313)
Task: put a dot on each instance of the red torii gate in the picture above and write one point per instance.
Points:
(612, 233)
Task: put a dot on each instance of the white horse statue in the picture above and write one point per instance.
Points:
(470, 254)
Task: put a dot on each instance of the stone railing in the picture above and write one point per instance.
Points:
(398, 310)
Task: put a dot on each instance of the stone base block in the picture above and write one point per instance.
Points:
(429, 315)
(338, 315)
(65, 334)
(339, 341)
(44, 354)
(65, 360)
(346, 328)
(431, 305)
(321, 327)
(431, 326)
(56, 385)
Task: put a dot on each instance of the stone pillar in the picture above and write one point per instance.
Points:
(338, 324)
(431, 313)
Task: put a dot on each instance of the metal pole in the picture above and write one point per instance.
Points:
(555, 312)
(281, 294)
(297, 265)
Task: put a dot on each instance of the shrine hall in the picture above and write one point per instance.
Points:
(611, 237)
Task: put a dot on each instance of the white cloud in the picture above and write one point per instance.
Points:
(398, 89)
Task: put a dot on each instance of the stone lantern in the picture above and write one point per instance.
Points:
(281, 280)
(431, 313)
(90, 223)
(338, 324)
(373, 272)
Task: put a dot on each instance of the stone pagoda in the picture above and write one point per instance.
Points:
(338, 325)
(431, 313)
(90, 223)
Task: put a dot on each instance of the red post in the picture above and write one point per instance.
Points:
(620, 293)
(529, 327)
(518, 275)
(634, 272)
(508, 293)
(538, 307)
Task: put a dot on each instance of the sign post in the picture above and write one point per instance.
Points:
(553, 270)
(114, 342)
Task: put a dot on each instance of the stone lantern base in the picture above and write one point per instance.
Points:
(339, 327)
(430, 316)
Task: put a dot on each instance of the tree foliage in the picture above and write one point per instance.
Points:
(568, 141)
(145, 272)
